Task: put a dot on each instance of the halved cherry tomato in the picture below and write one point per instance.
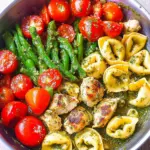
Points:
(50, 78)
(30, 131)
(13, 112)
(6, 96)
(37, 99)
(97, 9)
(35, 21)
(59, 10)
(8, 62)
(66, 31)
(20, 84)
(45, 15)
(91, 28)
(81, 8)
(112, 12)
(112, 29)
(5, 80)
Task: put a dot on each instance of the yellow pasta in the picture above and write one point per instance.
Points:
(121, 127)
(88, 139)
(57, 140)
(112, 50)
(143, 97)
(133, 42)
(116, 78)
(94, 65)
(139, 63)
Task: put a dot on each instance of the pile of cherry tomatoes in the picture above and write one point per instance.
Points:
(20, 102)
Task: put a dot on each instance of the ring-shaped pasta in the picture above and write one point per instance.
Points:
(143, 97)
(133, 42)
(121, 127)
(112, 50)
(94, 65)
(133, 113)
(140, 63)
(104, 111)
(57, 140)
(88, 139)
(116, 78)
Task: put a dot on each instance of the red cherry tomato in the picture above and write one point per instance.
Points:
(97, 9)
(81, 8)
(91, 28)
(66, 31)
(8, 62)
(35, 21)
(30, 131)
(112, 29)
(45, 15)
(59, 10)
(112, 12)
(5, 80)
(6, 96)
(13, 112)
(20, 84)
(37, 99)
(50, 78)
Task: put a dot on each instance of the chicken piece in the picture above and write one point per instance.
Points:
(132, 26)
(77, 120)
(57, 141)
(103, 112)
(69, 88)
(51, 120)
(62, 103)
(91, 91)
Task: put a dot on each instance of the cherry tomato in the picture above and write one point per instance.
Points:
(97, 9)
(5, 80)
(13, 112)
(8, 62)
(50, 78)
(91, 28)
(112, 12)
(81, 8)
(66, 31)
(20, 84)
(37, 99)
(6, 96)
(35, 21)
(30, 131)
(112, 29)
(59, 10)
(45, 15)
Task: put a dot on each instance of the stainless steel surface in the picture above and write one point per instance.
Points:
(18, 9)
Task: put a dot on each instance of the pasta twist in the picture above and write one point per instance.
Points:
(112, 50)
(133, 42)
(139, 63)
(116, 78)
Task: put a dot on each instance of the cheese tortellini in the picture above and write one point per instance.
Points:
(94, 65)
(69, 88)
(116, 78)
(91, 91)
(103, 112)
(143, 97)
(121, 127)
(112, 50)
(77, 120)
(134, 42)
(88, 139)
(57, 140)
(140, 63)
(133, 113)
